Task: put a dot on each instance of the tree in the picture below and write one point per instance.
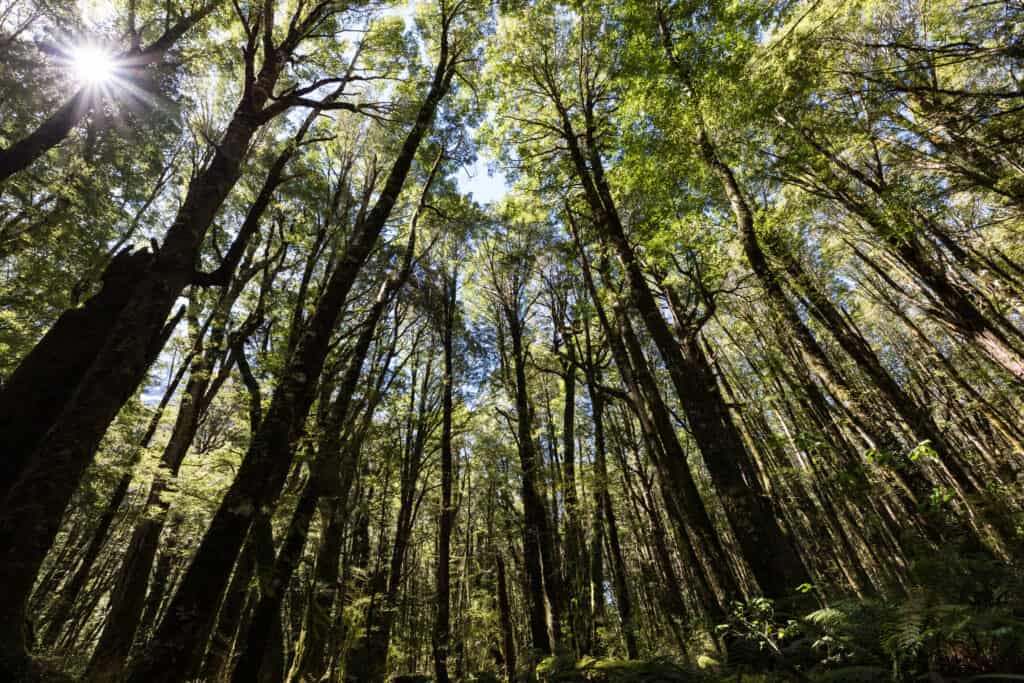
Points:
(719, 383)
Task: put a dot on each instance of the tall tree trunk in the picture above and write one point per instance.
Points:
(679, 485)
(958, 309)
(267, 612)
(70, 593)
(48, 135)
(229, 618)
(505, 619)
(917, 418)
(368, 661)
(575, 546)
(604, 516)
(36, 393)
(266, 464)
(262, 637)
(537, 535)
(128, 599)
(61, 442)
(686, 508)
(324, 629)
(442, 625)
(779, 570)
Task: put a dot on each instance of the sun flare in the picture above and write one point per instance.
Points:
(92, 65)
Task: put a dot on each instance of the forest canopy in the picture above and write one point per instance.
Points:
(511, 340)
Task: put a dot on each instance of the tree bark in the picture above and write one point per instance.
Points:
(575, 546)
(56, 451)
(368, 661)
(537, 534)
(268, 609)
(266, 464)
(48, 135)
(686, 508)
(55, 129)
(505, 618)
(442, 625)
(779, 570)
(605, 519)
(230, 616)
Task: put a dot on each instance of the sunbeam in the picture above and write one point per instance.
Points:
(92, 65)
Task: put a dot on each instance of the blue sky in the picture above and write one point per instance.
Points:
(473, 179)
(483, 185)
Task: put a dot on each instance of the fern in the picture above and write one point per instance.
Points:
(828, 617)
(854, 674)
(906, 635)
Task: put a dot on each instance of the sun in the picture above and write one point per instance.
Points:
(92, 65)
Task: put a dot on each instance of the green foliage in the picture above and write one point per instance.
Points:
(555, 669)
(483, 677)
(755, 621)
(962, 617)
(853, 129)
(923, 450)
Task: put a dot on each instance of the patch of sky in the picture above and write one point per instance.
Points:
(487, 185)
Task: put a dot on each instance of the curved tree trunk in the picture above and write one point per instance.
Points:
(48, 135)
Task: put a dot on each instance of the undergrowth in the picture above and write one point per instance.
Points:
(960, 617)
